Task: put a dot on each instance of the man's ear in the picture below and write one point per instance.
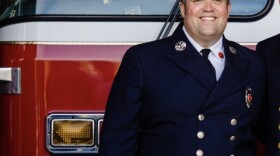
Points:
(182, 9)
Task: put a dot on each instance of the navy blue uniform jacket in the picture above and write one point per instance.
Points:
(163, 103)
(270, 49)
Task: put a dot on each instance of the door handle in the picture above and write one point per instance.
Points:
(10, 80)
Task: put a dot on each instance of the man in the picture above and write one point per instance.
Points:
(270, 49)
(167, 100)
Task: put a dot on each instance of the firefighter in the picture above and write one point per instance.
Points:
(193, 93)
(270, 49)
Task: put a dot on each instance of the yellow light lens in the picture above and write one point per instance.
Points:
(72, 132)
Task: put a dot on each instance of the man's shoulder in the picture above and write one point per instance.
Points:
(152, 47)
(154, 44)
(274, 40)
(267, 47)
(245, 52)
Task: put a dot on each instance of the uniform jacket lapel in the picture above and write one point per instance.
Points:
(234, 71)
(190, 60)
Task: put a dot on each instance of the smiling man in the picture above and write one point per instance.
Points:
(193, 93)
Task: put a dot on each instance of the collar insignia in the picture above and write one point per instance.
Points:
(232, 50)
(180, 46)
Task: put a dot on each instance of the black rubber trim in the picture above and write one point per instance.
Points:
(255, 17)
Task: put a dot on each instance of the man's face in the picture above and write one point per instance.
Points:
(205, 19)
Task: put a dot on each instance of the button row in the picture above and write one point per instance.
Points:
(201, 134)
(233, 122)
(200, 153)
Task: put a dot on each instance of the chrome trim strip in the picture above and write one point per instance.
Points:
(68, 43)
(98, 130)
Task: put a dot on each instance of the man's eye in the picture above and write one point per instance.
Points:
(218, 1)
(197, 1)
(215, 1)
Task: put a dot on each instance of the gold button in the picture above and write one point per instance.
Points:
(279, 145)
(200, 135)
(232, 155)
(279, 127)
(233, 122)
(201, 117)
(199, 153)
(232, 138)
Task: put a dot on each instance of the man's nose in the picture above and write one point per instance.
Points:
(208, 5)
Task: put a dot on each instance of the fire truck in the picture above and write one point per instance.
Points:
(58, 59)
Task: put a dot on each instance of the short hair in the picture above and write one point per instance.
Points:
(183, 1)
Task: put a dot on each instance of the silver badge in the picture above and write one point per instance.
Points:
(180, 46)
(248, 97)
(232, 50)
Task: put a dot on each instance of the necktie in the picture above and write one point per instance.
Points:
(205, 53)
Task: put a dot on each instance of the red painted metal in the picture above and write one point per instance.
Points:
(55, 79)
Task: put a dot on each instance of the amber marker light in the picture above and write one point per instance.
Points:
(72, 132)
(76, 133)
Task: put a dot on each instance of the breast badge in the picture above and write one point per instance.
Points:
(248, 97)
